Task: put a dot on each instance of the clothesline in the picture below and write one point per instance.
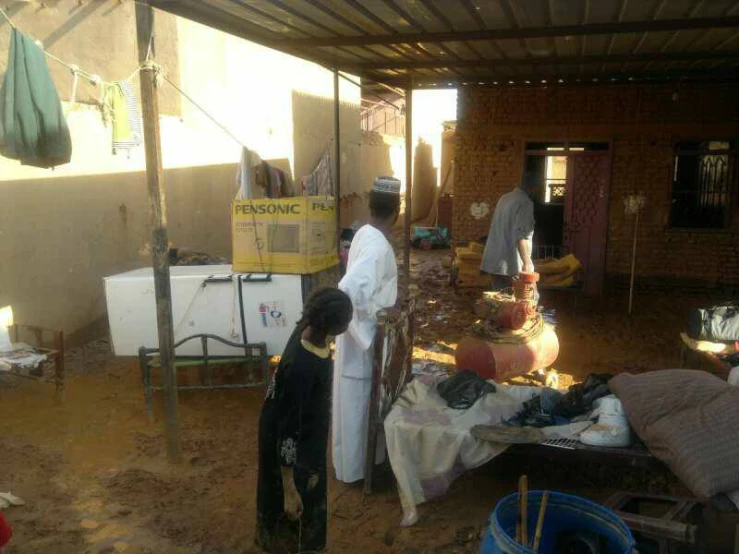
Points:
(7, 18)
(76, 71)
(205, 112)
(98, 81)
(149, 64)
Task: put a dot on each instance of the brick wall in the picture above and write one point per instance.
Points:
(642, 123)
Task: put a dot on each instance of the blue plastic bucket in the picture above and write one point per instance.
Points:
(564, 513)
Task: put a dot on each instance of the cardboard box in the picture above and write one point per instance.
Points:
(288, 235)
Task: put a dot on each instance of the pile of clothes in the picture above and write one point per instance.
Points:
(591, 400)
(552, 407)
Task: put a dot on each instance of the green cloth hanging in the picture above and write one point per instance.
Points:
(32, 125)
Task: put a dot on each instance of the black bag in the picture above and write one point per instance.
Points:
(719, 323)
(463, 389)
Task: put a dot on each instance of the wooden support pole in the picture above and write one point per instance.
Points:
(159, 242)
(633, 262)
(408, 181)
(337, 157)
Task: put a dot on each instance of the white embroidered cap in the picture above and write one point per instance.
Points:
(388, 185)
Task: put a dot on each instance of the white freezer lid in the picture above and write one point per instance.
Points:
(183, 271)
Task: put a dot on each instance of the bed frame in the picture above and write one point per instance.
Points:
(391, 370)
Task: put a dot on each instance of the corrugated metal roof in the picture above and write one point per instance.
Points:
(441, 43)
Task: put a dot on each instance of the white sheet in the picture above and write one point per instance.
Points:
(20, 355)
(430, 445)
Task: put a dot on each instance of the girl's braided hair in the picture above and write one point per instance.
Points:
(327, 309)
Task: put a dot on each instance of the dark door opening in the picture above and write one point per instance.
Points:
(572, 203)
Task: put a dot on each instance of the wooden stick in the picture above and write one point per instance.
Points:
(337, 158)
(159, 247)
(408, 184)
(518, 512)
(633, 263)
(523, 507)
(540, 521)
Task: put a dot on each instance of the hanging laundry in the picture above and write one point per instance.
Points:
(246, 175)
(320, 181)
(286, 185)
(120, 107)
(32, 125)
(255, 178)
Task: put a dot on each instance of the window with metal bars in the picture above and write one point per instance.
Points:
(704, 183)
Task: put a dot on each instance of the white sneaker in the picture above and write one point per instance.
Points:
(734, 377)
(612, 428)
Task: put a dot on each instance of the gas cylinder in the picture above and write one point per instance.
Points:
(502, 361)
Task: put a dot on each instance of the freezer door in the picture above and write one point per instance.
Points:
(272, 305)
(203, 301)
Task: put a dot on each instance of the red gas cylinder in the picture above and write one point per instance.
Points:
(502, 361)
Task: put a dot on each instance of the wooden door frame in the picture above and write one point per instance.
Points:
(568, 153)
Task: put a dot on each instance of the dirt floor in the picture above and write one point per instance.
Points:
(94, 475)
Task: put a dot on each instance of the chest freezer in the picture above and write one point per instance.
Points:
(210, 299)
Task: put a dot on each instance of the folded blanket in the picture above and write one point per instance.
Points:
(690, 421)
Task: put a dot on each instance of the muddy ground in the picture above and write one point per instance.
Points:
(94, 475)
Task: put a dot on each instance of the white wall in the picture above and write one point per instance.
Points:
(430, 109)
(62, 231)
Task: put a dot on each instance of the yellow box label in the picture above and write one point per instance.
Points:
(289, 235)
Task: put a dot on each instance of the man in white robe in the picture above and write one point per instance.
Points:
(371, 281)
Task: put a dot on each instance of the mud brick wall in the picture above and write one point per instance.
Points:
(642, 122)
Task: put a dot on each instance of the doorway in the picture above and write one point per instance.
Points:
(571, 208)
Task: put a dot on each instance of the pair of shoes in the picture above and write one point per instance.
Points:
(612, 428)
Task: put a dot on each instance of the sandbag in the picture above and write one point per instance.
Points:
(467, 255)
(466, 271)
(567, 265)
(559, 282)
(719, 323)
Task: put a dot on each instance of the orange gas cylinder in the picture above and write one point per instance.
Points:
(502, 361)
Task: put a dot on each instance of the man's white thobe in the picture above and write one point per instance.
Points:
(371, 281)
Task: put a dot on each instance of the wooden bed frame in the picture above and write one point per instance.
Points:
(391, 370)
(40, 339)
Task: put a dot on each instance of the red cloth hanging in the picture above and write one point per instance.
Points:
(5, 531)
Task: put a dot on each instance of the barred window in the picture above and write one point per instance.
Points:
(703, 184)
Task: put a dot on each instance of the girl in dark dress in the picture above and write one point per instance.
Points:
(293, 432)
